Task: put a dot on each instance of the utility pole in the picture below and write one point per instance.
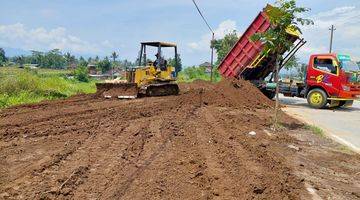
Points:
(212, 57)
(332, 29)
(212, 40)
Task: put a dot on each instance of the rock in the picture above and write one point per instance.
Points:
(294, 147)
(253, 133)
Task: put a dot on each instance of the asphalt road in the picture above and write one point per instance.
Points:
(341, 124)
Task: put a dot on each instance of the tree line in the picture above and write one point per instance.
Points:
(55, 59)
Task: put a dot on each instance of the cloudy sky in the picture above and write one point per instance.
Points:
(94, 27)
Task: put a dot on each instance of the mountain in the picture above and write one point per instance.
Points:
(10, 52)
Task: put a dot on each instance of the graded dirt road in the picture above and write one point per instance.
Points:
(342, 124)
(192, 146)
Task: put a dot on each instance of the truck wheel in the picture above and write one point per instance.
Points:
(317, 98)
(268, 94)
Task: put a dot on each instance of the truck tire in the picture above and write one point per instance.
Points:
(269, 94)
(317, 98)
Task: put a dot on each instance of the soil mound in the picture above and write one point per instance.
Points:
(229, 92)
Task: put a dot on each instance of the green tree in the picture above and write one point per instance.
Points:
(20, 60)
(96, 59)
(53, 59)
(301, 71)
(114, 55)
(2, 57)
(284, 15)
(172, 62)
(224, 45)
(104, 65)
(70, 59)
(293, 63)
(81, 59)
(81, 72)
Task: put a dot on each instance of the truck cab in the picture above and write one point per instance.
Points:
(332, 78)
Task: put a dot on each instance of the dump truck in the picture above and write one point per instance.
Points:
(330, 78)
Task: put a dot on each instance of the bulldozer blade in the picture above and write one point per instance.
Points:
(117, 90)
(160, 89)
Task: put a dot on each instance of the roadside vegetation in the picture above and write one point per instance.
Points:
(23, 86)
(191, 74)
(316, 130)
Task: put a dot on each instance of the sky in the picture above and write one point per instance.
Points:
(94, 27)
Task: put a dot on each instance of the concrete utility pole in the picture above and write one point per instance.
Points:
(332, 29)
(212, 40)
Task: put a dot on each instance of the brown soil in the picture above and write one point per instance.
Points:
(192, 146)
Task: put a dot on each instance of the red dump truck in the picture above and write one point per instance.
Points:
(330, 78)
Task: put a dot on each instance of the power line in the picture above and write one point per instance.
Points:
(202, 16)
(212, 40)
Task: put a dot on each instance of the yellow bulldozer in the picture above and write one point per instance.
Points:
(156, 78)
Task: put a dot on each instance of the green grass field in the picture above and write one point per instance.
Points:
(23, 86)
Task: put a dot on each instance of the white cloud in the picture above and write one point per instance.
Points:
(346, 20)
(224, 28)
(18, 36)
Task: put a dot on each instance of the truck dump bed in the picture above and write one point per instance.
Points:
(245, 60)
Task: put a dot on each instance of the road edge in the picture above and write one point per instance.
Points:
(327, 132)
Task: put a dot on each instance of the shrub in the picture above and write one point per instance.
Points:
(81, 73)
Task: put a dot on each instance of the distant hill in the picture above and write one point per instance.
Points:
(10, 52)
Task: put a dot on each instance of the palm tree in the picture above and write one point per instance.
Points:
(114, 55)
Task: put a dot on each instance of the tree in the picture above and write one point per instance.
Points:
(224, 45)
(70, 59)
(96, 59)
(172, 62)
(104, 65)
(293, 63)
(81, 72)
(282, 16)
(114, 55)
(301, 71)
(3, 58)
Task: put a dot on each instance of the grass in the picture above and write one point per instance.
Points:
(190, 74)
(316, 130)
(23, 86)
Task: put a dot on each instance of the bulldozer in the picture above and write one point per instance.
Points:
(148, 79)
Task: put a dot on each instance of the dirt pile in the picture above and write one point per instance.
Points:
(192, 146)
(234, 93)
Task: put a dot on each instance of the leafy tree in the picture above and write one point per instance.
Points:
(82, 60)
(81, 72)
(283, 15)
(172, 62)
(104, 65)
(224, 45)
(301, 71)
(292, 63)
(2, 57)
(70, 59)
(19, 60)
(114, 55)
(96, 59)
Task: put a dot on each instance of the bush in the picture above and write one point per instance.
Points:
(81, 74)
(190, 74)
